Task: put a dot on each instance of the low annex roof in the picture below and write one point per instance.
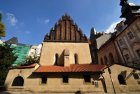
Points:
(71, 68)
(23, 67)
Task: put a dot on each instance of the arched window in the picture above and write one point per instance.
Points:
(76, 58)
(111, 58)
(56, 59)
(121, 80)
(105, 60)
(102, 61)
(18, 81)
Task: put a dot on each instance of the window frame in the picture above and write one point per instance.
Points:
(44, 80)
(121, 80)
(127, 57)
(138, 52)
(18, 82)
(87, 78)
(136, 76)
(76, 58)
(121, 41)
(65, 79)
(56, 59)
(130, 35)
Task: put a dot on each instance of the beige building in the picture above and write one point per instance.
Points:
(63, 66)
(66, 66)
(124, 79)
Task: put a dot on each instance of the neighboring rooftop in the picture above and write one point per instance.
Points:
(102, 39)
(13, 40)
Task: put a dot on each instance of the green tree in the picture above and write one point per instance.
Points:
(2, 27)
(7, 57)
(31, 60)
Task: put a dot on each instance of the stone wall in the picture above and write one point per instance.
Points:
(131, 83)
(50, 49)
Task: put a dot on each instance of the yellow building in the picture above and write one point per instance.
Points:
(67, 66)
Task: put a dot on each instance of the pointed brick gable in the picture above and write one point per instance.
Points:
(65, 31)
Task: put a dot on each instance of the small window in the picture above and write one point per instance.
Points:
(130, 35)
(136, 76)
(102, 61)
(138, 82)
(111, 58)
(127, 57)
(18, 81)
(121, 41)
(138, 52)
(96, 84)
(65, 79)
(121, 80)
(56, 59)
(87, 78)
(105, 60)
(43, 80)
(76, 58)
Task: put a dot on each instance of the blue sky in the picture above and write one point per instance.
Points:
(30, 20)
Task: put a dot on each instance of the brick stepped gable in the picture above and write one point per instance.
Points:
(65, 31)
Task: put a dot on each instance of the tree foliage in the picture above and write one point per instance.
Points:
(7, 57)
(31, 60)
(2, 27)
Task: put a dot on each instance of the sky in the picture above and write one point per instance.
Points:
(30, 20)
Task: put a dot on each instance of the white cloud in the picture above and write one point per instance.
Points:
(111, 28)
(12, 19)
(43, 21)
(46, 21)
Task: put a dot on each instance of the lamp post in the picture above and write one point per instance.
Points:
(109, 71)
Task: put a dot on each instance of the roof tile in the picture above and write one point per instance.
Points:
(72, 68)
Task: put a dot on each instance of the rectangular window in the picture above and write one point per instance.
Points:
(130, 35)
(43, 80)
(138, 52)
(87, 78)
(136, 76)
(120, 41)
(96, 84)
(127, 57)
(65, 79)
(138, 82)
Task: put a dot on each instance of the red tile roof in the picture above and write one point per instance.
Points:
(72, 68)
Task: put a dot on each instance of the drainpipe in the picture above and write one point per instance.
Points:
(109, 71)
(104, 84)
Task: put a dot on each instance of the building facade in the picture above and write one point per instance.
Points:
(63, 66)
(67, 65)
(107, 53)
(125, 42)
(128, 35)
